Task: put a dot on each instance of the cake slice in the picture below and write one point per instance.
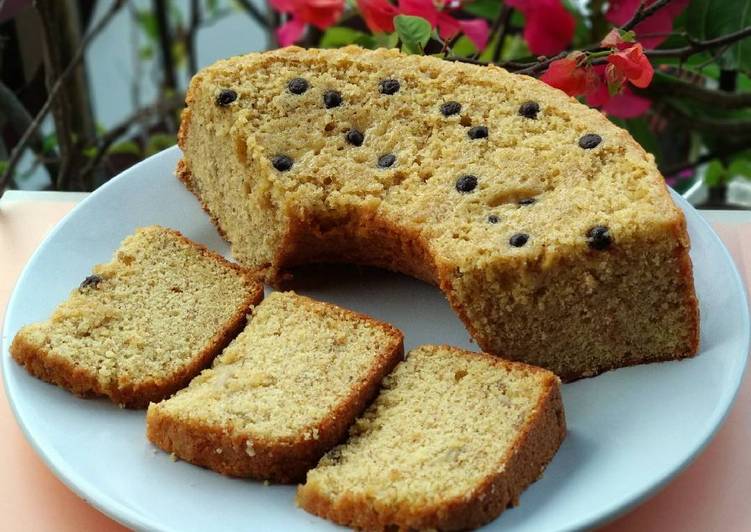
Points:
(143, 325)
(282, 394)
(453, 438)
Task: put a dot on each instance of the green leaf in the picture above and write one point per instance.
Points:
(741, 165)
(414, 32)
(49, 143)
(147, 21)
(3, 166)
(386, 40)
(127, 147)
(463, 47)
(366, 41)
(708, 19)
(715, 174)
(212, 6)
(179, 53)
(487, 9)
(146, 52)
(158, 142)
(338, 36)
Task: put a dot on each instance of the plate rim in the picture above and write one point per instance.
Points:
(113, 508)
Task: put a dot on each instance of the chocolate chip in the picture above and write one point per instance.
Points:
(518, 240)
(297, 85)
(451, 108)
(91, 281)
(226, 97)
(466, 183)
(282, 162)
(589, 141)
(332, 99)
(529, 109)
(389, 86)
(493, 219)
(599, 237)
(385, 161)
(526, 201)
(355, 137)
(478, 132)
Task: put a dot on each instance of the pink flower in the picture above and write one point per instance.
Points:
(633, 65)
(574, 77)
(623, 104)
(567, 75)
(379, 15)
(319, 13)
(549, 27)
(661, 22)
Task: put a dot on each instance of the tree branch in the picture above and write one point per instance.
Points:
(254, 13)
(20, 120)
(696, 46)
(106, 140)
(716, 98)
(501, 27)
(728, 127)
(18, 149)
(165, 44)
(643, 13)
(703, 159)
(190, 36)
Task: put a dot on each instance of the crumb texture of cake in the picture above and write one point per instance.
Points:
(549, 229)
(284, 392)
(452, 439)
(143, 325)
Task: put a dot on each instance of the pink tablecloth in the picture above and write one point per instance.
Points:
(712, 494)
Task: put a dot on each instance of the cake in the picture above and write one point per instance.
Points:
(548, 228)
(143, 325)
(282, 394)
(453, 439)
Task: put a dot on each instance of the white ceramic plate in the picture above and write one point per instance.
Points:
(630, 430)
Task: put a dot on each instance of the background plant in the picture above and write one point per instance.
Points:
(675, 73)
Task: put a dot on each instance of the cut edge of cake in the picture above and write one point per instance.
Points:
(282, 460)
(55, 369)
(525, 462)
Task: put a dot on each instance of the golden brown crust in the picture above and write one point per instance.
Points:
(225, 450)
(366, 236)
(524, 463)
(84, 382)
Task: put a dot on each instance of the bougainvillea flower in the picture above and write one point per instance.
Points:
(379, 15)
(319, 13)
(653, 30)
(566, 74)
(626, 104)
(548, 28)
(574, 77)
(633, 65)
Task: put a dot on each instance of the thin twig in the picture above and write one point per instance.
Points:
(169, 80)
(643, 13)
(716, 98)
(106, 141)
(190, 36)
(18, 149)
(254, 13)
(702, 159)
(695, 46)
(729, 127)
(502, 28)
